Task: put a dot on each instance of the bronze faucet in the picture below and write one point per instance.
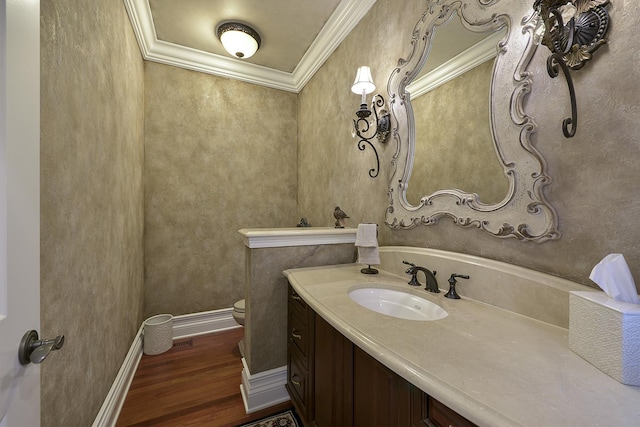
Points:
(430, 277)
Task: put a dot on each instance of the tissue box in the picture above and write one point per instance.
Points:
(606, 333)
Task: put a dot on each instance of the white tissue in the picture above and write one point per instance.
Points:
(613, 276)
(367, 243)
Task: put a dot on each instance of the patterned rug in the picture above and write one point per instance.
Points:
(284, 419)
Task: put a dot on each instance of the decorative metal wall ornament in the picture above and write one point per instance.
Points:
(363, 85)
(381, 125)
(571, 44)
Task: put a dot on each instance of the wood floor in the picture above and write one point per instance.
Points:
(196, 383)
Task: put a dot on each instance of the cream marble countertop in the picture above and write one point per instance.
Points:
(494, 367)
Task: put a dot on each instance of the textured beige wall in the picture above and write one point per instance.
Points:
(332, 171)
(455, 146)
(220, 155)
(91, 202)
(594, 174)
(266, 304)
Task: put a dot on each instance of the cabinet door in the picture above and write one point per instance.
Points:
(300, 357)
(419, 408)
(333, 376)
(298, 384)
(299, 333)
(380, 397)
(442, 416)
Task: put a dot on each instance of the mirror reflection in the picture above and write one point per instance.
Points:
(522, 211)
(450, 98)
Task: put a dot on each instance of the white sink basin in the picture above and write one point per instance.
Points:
(397, 304)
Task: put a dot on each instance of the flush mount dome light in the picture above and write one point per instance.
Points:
(238, 39)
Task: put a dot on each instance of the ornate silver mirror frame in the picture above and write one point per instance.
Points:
(523, 213)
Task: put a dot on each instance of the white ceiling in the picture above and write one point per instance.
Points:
(287, 27)
(297, 35)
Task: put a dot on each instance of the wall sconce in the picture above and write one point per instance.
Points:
(573, 43)
(363, 85)
(238, 39)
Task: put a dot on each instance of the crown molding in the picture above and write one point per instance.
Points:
(472, 57)
(342, 21)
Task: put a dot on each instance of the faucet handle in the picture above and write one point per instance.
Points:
(414, 278)
(452, 294)
(411, 271)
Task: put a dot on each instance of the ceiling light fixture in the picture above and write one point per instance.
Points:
(239, 39)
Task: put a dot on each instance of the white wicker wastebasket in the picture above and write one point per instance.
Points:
(158, 334)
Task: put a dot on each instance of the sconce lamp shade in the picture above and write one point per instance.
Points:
(239, 39)
(364, 82)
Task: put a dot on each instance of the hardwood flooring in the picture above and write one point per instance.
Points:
(196, 383)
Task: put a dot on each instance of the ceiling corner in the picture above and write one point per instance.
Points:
(344, 19)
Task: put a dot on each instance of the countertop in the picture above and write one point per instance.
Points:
(492, 366)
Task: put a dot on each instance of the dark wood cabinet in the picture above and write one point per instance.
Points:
(442, 416)
(333, 382)
(300, 360)
(333, 376)
(380, 397)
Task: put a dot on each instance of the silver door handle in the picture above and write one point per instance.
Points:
(34, 350)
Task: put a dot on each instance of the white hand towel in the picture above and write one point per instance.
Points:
(367, 235)
(367, 243)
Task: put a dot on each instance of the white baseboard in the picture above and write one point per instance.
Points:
(187, 325)
(108, 414)
(190, 325)
(263, 389)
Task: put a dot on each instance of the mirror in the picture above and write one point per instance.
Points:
(450, 99)
(520, 210)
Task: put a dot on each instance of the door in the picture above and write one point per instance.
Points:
(19, 207)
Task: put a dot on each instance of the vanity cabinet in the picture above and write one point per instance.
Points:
(383, 398)
(333, 376)
(300, 349)
(333, 382)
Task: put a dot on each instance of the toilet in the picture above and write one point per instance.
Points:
(238, 311)
(238, 315)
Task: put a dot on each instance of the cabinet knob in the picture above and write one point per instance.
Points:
(299, 384)
(296, 297)
(295, 334)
